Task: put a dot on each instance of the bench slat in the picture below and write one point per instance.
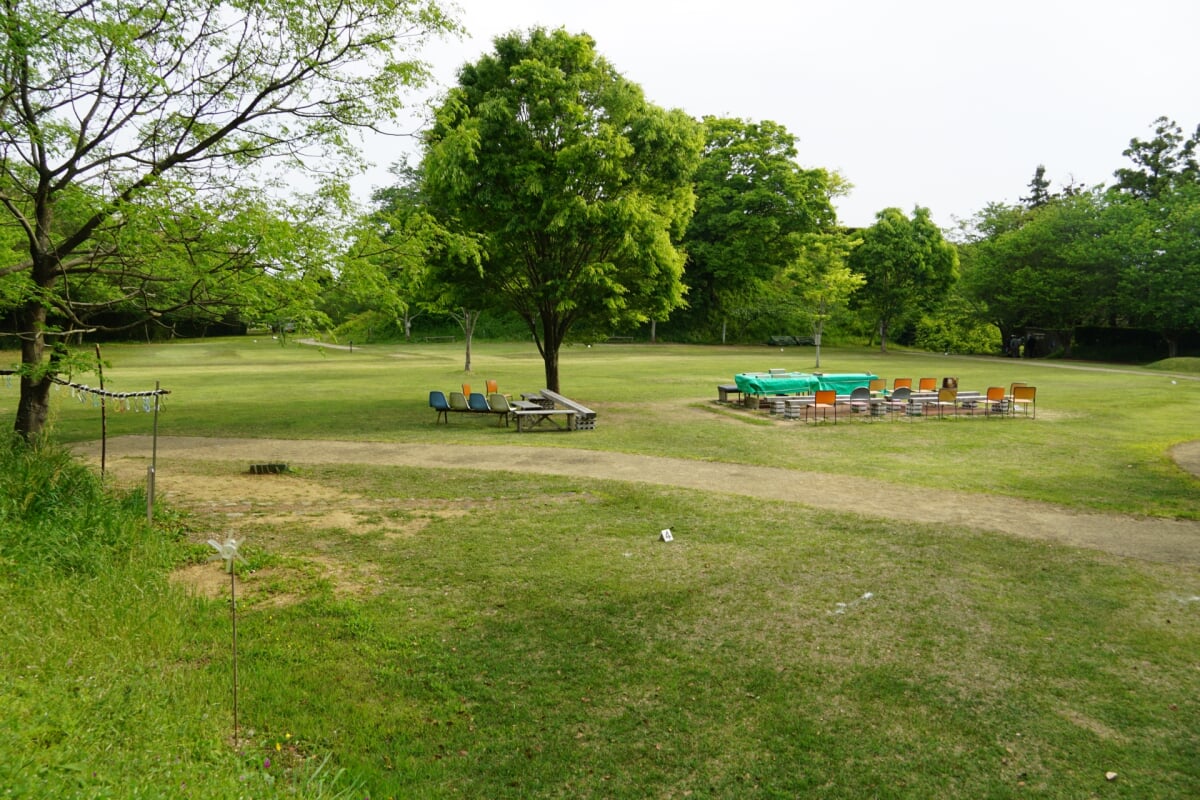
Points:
(565, 401)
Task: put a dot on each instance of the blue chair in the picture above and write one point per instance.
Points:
(438, 402)
(477, 402)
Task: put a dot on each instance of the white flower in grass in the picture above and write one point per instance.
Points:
(227, 551)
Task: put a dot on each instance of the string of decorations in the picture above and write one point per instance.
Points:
(124, 401)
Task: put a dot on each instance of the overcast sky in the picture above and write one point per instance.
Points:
(947, 104)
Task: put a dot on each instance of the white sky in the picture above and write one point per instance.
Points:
(948, 104)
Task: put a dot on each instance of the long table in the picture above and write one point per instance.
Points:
(775, 382)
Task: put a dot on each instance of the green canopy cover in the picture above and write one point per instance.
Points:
(759, 383)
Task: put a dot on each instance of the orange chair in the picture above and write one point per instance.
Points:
(901, 383)
(466, 387)
(492, 387)
(877, 386)
(824, 399)
(927, 385)
(995, 401)
(1026, 398)
(947, 398)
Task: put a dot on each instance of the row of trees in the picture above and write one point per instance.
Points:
(1124, 256)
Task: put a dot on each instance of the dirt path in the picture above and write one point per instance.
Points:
(1169, 541)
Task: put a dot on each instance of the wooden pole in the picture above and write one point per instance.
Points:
(233, 613)
(150, 472)
(103, 413)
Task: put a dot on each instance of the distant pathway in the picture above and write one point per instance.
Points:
(1152, 539)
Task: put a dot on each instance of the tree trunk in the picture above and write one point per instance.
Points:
(653, 331)
(33, 407)
(468, 321)
(883, 329)
(551, 342)
(818, 328)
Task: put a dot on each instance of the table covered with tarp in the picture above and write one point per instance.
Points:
(776, 382)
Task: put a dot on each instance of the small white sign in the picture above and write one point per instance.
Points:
(666, 535)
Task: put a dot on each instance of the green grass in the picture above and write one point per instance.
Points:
(1100, 440)
(482, 634)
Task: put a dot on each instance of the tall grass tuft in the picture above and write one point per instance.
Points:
(56, 515)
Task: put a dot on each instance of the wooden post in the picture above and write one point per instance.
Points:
(150, 471)
(103, 413)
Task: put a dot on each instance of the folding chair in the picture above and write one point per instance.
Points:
(1026, 398)
(824, 399)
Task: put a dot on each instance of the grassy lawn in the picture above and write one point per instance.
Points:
(478, 634)
(1100, 440)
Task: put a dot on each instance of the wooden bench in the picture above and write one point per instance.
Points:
(585, 418)
(437, 338)
(530, 418)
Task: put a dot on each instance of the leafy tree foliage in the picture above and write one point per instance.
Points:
(1039, 189)
(385, 273)
(754, 205)
(132, 138)
(908, 266)
(1155, 249)
(1041, 269)
(823, 280)
(578, 187)
(1160, 164)
(1124, 257)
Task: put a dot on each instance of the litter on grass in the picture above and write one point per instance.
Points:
(841, 608)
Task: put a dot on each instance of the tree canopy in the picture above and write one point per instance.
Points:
(754, 204)
(578, 188)
(907, 264)
(1125, 256)
(132, 139)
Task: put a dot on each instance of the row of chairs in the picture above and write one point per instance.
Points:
(997, 400)
(492, 403)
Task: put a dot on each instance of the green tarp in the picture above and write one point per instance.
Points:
(760, 383)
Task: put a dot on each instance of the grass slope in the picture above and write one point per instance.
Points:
(505, 635)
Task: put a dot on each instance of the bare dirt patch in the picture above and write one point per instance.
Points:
(241, 498)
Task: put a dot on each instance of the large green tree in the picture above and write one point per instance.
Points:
(126, 116)
(754, 204)
(908, 266)
(1053, 266)
(578, 188)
